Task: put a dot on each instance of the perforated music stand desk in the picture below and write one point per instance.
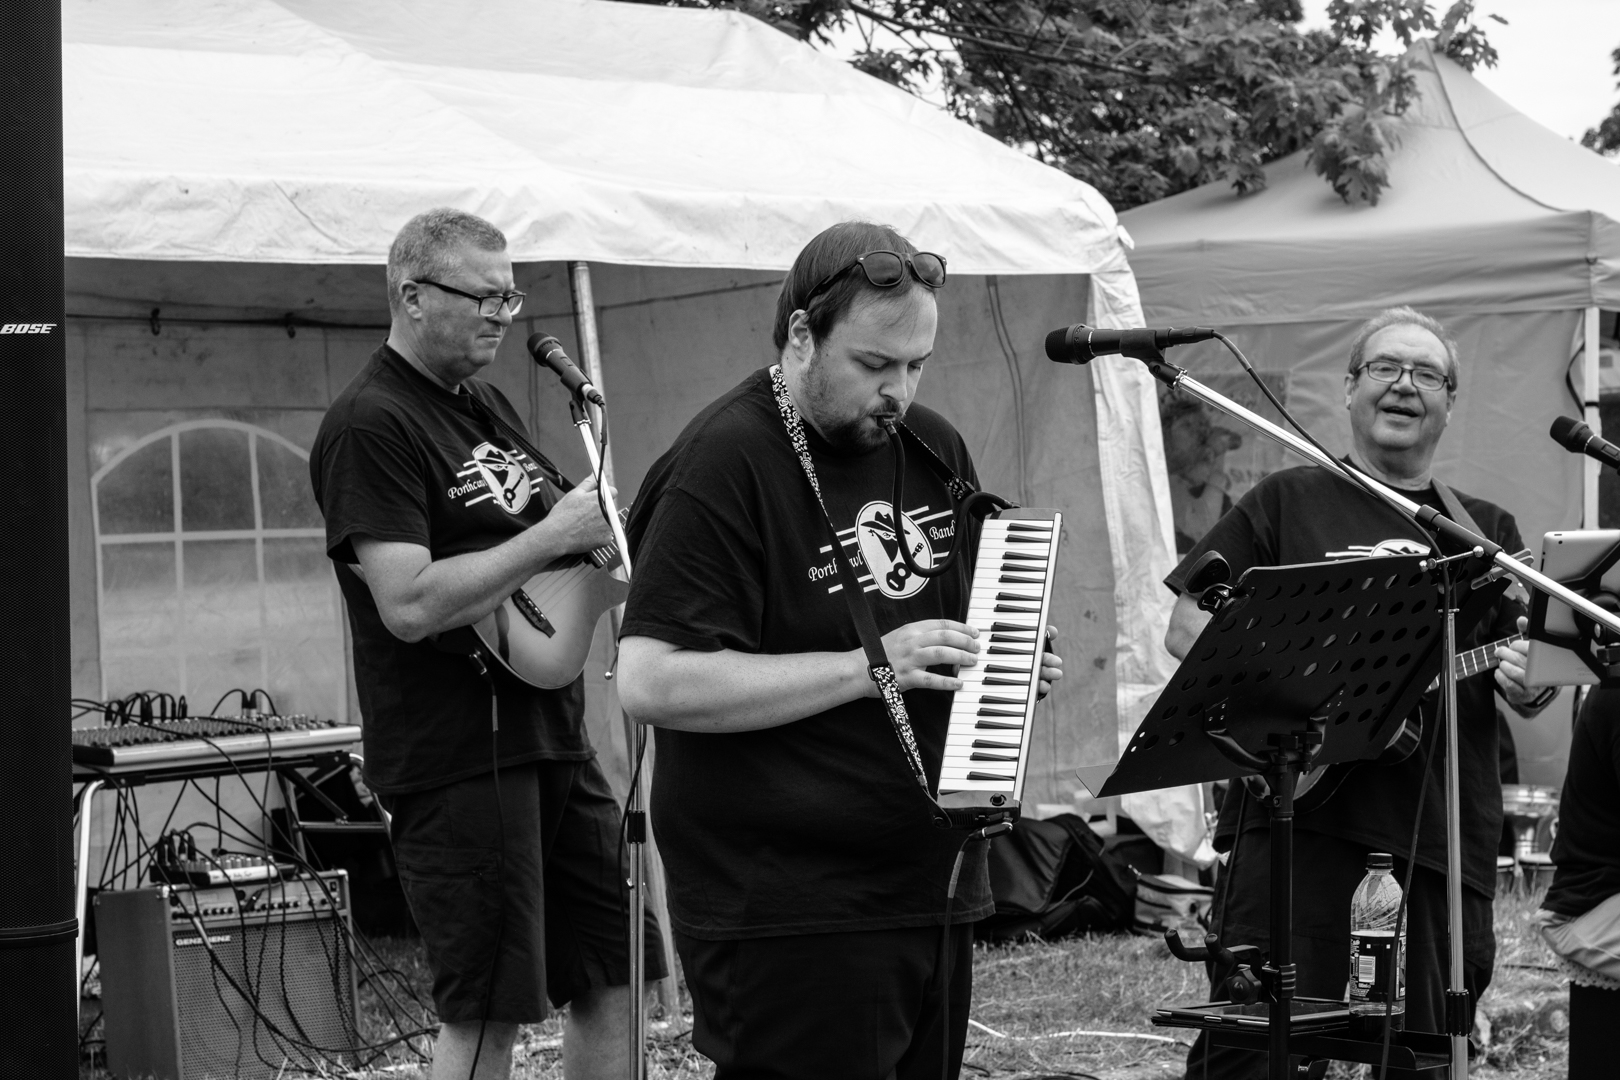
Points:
(1304, 666)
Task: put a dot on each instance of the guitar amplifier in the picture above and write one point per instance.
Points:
(247, 981)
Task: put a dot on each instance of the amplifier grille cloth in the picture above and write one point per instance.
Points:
(300, 973)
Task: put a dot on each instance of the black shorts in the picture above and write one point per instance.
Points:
(551, 898)
(866, 1005)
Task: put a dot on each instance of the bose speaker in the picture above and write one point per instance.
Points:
(251, 981)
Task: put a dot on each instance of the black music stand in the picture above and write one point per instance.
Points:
(1301, 667)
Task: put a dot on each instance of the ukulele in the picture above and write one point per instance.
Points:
(542, 633)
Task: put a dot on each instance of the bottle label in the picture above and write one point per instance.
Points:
(1370, 954)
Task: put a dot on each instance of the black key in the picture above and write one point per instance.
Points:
(980, 755)
(987, 699)
(1019, 579)
(1002, 669)
(1008, 650)
(1016, 639)
(1011, 626)
(1023, 555)
(993, 744)
(1018, 526)
(976, 775)
(1035, 597)
(994, 681)
(1000, 712)
(997, 725)
(1047, 539)
(1013, 609)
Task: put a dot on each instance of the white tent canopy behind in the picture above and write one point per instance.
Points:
(305, 132)
(1505, 231)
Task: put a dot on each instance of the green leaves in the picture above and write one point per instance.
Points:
(1146, 98)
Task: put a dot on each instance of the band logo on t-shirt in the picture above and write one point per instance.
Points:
(1398, 545)
(873, 549)
(499, 475)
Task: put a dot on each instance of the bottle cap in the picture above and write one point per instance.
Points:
(1380, 860)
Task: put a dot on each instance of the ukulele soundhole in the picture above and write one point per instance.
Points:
(533, 614)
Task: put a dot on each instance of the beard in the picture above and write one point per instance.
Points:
(858, 434)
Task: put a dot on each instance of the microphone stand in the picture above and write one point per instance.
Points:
(635, 810)
(1456, 1019)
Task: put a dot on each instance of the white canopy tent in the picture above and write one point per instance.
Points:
(228, 159)
(1504, 230)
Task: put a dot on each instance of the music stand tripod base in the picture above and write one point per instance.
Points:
(1304, 666)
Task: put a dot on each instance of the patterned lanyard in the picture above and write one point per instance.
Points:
(882, 672)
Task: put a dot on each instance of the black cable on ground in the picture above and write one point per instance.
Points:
(477, 660)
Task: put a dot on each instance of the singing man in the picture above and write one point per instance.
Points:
(807, 885)
(1399, 390)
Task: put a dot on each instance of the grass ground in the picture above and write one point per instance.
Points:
(1078, 1007)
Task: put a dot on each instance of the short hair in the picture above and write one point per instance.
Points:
(834, 249)
(1405, 316)
(425, 247)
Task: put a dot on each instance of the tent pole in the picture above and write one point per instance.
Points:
(1593, 417)
(646, 870)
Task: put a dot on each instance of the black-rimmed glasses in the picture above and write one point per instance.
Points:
(488, 306)
(1424, 378)
(886, 269)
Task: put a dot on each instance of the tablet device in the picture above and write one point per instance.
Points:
(1576, 559)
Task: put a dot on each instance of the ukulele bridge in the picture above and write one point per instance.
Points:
(531, 611)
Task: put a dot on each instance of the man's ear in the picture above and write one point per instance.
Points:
(410, 298)
(1349, 389)
(801, 343)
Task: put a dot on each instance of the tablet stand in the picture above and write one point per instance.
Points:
(1301, 667)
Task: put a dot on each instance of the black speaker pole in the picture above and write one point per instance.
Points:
(38, 986)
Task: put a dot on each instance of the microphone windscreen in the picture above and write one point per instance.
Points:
(1057, 347)
(1571, 434)
(537, 343)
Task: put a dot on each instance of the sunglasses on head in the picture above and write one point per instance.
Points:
(886, 269)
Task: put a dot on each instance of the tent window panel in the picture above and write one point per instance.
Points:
(138, 496)
(242, 596)
(304, 654)
(216, 480)
(285, 495)
(220, 604)
(139, 603)
(299, 591)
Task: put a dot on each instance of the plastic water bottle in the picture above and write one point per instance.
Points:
(1373, 949)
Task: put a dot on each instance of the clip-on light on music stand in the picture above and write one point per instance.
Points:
(1303, 666)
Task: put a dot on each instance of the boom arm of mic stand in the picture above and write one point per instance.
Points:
(1178, 379)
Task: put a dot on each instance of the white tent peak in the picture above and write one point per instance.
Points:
(1470, 179)
(308, 131)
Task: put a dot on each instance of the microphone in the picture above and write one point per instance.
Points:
(1081, 344)
(548, 350)
(1578, 438)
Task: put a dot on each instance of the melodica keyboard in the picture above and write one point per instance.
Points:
(987, 743)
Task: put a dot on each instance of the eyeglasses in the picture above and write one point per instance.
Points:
(886, 269)
(488, 306)
(1388, 371)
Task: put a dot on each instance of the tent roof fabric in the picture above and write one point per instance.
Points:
(1485, 210)
(308, 131)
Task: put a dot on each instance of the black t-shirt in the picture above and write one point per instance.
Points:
(1587, 850)
(1308, 515)
(400, 458)
(817, 825)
